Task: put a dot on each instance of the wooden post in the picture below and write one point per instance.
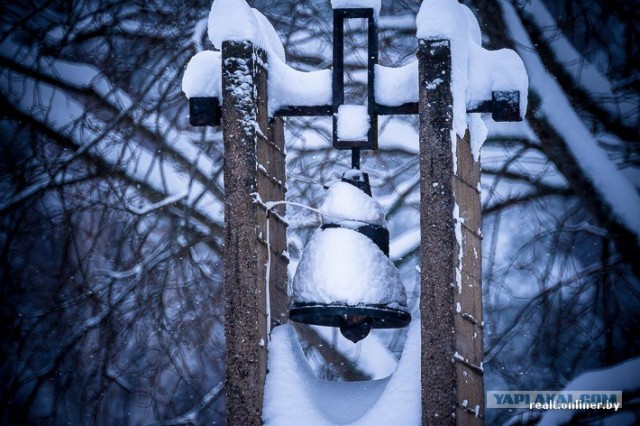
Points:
(468, 297)
(254, 169)
(451, 293)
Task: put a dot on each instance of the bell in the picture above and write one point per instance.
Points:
(345, 278)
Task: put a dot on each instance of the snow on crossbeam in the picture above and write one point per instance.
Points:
(483, 81)
(397, 93)
(353, 123)
(479, 78)
(202, 75)
(503, 106)
(232, 20)
(202, 84)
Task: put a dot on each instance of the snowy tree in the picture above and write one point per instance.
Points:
(111, 204)
(111, 218)
(561, 291)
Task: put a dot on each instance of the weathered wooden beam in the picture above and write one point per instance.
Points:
(254, 164)
(469, 350)
(451, 298)
(437, 240)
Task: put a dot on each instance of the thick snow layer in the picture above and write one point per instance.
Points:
(495, 70)
(271, 40)
(235, 20)
(396, 86)
(475, 35)
(346, 203)
(353, 123)
(492, 71)
(288, 86)
(354, 4)
(293, 395)
(623, 377)
(475, 71)
(477, 134)
(202, 76)
(445, 19)
(373, 357)
(291, 87)
(621, 196)
(343, 266)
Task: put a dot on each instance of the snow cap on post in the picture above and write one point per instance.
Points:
(202, 76)
(446, 20)
(477, 75)
(475, 34)
(232, 20)
(235, 20)
(270, 37)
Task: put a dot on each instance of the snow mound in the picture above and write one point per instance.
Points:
(496, 70)
(202, 75)
(293, 395)
(342, 266)
(235, 20)
(396, 86)
(344, 202)
(353, 123)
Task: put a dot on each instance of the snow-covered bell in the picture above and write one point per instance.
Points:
(345, 278)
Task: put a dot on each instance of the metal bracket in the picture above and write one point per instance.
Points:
(503, 106)
(204, 111)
